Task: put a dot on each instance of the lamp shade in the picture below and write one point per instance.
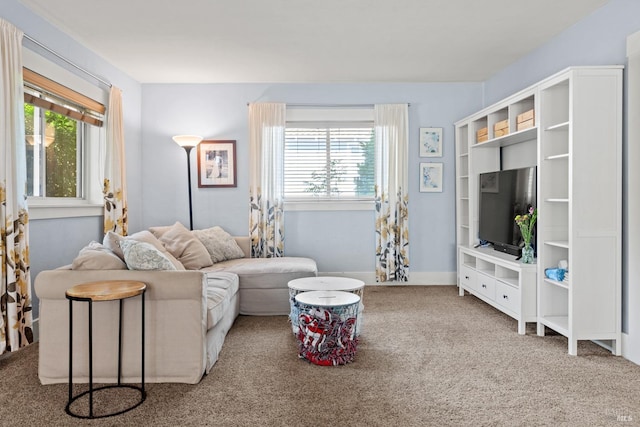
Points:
(187, 140)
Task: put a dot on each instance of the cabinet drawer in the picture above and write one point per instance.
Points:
(508, 296)
(486, 285)
(467, 277)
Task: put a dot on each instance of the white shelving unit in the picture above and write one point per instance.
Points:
(579, 193)
(576, 144)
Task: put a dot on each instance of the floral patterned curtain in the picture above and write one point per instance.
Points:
(392, 192)
(15, 283)
(266, 218)
(114, 188)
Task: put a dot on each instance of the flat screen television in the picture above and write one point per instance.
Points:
(503, 195)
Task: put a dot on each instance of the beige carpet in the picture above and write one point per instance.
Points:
(426, 358)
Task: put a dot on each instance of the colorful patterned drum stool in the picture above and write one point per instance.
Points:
(327, 326)
(324, 283)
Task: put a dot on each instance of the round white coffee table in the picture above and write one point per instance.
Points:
(324, 283)
(327, 326)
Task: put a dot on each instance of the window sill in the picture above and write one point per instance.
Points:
(74, 209)
(329, 205)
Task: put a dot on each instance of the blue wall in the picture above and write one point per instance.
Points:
(598, 39)
(340, 241)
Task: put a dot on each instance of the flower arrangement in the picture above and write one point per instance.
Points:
(526, 223)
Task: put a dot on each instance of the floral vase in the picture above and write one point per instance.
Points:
(527, 254)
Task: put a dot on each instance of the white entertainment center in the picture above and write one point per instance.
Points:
(569, 126)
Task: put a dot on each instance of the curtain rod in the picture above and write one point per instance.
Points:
(56, 54)
(332, 105)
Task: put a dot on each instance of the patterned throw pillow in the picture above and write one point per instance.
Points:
(220, 244)
(144, 256)
(112, 242)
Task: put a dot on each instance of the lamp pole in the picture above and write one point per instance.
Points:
(188, 142)
(187, 149)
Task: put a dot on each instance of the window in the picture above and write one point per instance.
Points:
(64, 137)
(328, 157)
(329, 162)
(54, 153)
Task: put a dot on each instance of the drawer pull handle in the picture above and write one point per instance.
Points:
(505, 296)
(466, 277)
(484, 286)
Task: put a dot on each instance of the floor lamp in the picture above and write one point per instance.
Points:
(188, 142)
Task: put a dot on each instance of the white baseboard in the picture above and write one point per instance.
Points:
(416, 279)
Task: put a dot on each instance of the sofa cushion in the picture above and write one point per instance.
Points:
(267, 273)
(96, 256)
(112, 242)
(183, 245)
(220, 245)
(221, 287)
(144, 256)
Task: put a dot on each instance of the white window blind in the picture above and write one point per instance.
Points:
(332, 161)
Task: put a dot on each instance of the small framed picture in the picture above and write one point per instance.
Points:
(430, 142)
(431, 177)
(217, 164)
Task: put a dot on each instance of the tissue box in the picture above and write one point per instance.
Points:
(555, 274)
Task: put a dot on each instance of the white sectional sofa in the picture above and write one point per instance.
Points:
(187, 313)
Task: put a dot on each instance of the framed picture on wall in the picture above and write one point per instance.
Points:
(430, 142)
(431, 177)
(217, 164)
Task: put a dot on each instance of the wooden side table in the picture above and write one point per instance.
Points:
(110, 290)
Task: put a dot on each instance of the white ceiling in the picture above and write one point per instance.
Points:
(209, 41)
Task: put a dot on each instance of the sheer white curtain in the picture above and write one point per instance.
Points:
(114, 189)
(392, 192)
(15, 283)
(266, 144)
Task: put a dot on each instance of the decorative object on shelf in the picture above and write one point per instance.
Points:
(430, 142)
(217, 164)
(482, 134)
(501, 128)
(556, 274)
(188, 142)
(527, 254)
(431, 177)
(526, 223)
(526, 120)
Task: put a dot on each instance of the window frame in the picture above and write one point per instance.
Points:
(329, 117)
(92, 149)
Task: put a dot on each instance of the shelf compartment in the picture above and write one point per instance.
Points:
(507, 275)
(554, 180)
(555, 144)
(486, 267)
(555, 100)
(560, 324)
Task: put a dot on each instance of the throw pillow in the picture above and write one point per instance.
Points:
(112, 241)
(95, 256)
(183, 245)
(220, 244)
(144, 256)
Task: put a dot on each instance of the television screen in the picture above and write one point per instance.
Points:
(503, 195)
